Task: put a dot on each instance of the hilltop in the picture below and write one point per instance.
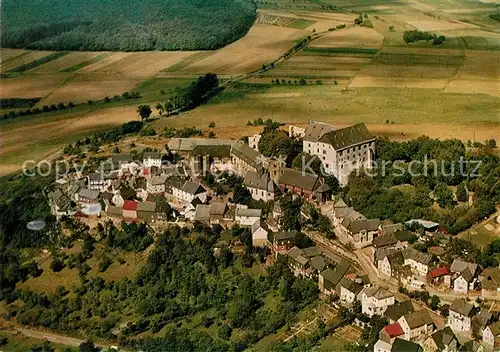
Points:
(125, 25)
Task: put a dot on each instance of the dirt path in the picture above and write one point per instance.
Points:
(59, 339)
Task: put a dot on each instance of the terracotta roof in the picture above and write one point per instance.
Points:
(438, 272)
(129, 205)
(347, 137)
(394, 330)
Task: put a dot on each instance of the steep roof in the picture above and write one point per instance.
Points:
(216, 151)
(443, 337)
(285, 235)
(262, 182)
(318, 263)
(129, 205)
(482, 318)
(392, 228)
(333, 276)
(146, 206)
(411, 253)
(461, 307)
(95, 176)
(347, 137)
(202, 212)
(247, 154)
(151, 155)
(398, 310)
(394, 330)
(401, 345)
(122, 158)
(438, 272)
(418, 318)
(300, 179)
(467, 275)
(88, 194)
(188, 144)
(112, 210)
(386, 240)
(350, 285)
(378, 292)
(254, 213)
(193, 188)
(356, 226)
(495, 328)
(459, 265)
(157, 180)
(218, 209)
(316, 130)
(258, 224)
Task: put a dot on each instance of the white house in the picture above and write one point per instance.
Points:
(416, 324)
(247, 217)
(261, 186)
(340, 150)
(259, 233)
(375, 300)
(253, 141)
(156, 184)
(348, 290)
(151, 159)
(418, 261)
(460, 317)
(189, 191)
(491, 336)
(360, 232)
(463, 276)
(96, 182)
(124, 163)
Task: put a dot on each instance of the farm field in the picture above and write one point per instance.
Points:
(19, 60)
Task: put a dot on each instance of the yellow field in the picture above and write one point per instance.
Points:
(31, 86)
(19, 60)
(397, 82)
(350, 37)
(66, 61)
(263, 44)
(439, 25)
(7, 54)
(378, 70)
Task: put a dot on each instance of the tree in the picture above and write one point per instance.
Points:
(211, 134)
(435, 302)
(211, 124)
(307, 163)
(491, 143)
(444, 195)
(144, 111)
(88, 346)
(461, 193)
(159, 107)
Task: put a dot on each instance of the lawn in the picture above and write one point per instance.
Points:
(333, 343)
(483, 234)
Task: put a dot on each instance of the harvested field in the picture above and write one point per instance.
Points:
(350, 37)
(474, 10)
(439, 25)
(114, 57)
(434, 51)
(416, 59)
(191, 59)
(145, 64)
(397, 82)
(301, 23)
(481, 65)
(31, 86)
(324, 51)
(23, 60)
(85, 63)
(64, 62)
(90, 87)
(262, 44)
(474, 86)
(377, 70)
(7, 54)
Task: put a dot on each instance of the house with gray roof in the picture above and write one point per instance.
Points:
(87, 196)
(245, 159)
(329, 278)
(260, 185)
(247, 217)
(302, 183)
(442, 340)
(375, 300)
(340, 150)
(348, 290)
(359, 232)
(156, 184)
(396, 311)
(418, 261)
(417, 324)
(282, 241)
(150, 159)
(186, 145)
(491, 336)
(60, 204)
(460, 317)
(189, 190)
(463, 276)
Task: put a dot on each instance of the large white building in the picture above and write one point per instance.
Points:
(460, 318)
(340, 150)
(375, 300)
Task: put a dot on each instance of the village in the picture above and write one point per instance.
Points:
(371, 264)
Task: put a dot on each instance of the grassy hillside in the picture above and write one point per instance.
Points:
(124, 25)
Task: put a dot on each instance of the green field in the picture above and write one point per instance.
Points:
(415, 59)
(21, 343)
(301, 23)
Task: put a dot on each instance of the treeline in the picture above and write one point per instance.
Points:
(415, 36)
(127, 25)
(380, 197)
(102, 138)
(56, 107)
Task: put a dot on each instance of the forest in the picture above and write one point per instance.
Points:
(124, 25)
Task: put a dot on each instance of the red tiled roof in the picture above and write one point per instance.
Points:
(437, 272)
(130, 205)
(394, 330)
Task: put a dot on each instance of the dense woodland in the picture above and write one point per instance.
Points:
(125, 25)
